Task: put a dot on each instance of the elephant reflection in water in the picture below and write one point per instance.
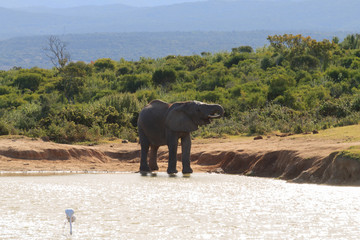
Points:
(161, 123)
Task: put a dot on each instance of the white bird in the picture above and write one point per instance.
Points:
(70, 217)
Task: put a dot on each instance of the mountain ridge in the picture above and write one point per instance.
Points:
(213, 15)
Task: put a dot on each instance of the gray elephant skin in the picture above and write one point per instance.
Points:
(161, 123)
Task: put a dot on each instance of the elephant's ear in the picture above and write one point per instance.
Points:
(177, 120)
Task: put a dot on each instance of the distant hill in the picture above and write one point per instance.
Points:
(74, 3)
(27, 52)
(214, 15)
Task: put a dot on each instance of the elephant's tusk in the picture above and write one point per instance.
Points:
(214, 116)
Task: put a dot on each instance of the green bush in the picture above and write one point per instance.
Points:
(78, 115)
(355, 104)
(305, 62)
(147, 95)
(296, 84)
(104, 64)
(338, 74)
(25, 117)
(5, 90)
(210, 96)
(279, 84)
(29, 81)
(4, 128)
(69, 132)
(164, 77)
(338, 108)
(242, 49)
(235, 59)
(266, 63)
(133, 82)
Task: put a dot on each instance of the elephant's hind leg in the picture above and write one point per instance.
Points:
(152, 158)
(145, 144)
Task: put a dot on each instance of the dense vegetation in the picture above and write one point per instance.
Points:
(26, 52)
(296, 84)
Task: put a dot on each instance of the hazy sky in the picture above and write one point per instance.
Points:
(74, 3)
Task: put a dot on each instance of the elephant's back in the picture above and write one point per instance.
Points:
(155, 107)
(158, 104)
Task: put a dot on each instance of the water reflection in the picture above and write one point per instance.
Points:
(204, 206)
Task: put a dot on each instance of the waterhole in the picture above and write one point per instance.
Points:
(204, 206)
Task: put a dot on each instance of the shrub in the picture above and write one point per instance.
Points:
(4, 128)
(77, 114)
(107, 75)
(351, 119)
(242, 49)
(355, 104)
(235, 59)
(164, 77)
(29, 81)
(131, 83)
(279, 84)
(337, 109)
(69, 132)
(103, 64)
(305, 62)
(210, 96)
(127, 105)
(147, 95)
(128, 134)
(11, 101)
(26, 116)
(346, 62)
(338, 74)
(266, 63)
(5, 90)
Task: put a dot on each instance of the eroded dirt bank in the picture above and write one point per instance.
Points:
(295, 159)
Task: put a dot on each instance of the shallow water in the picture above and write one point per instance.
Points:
(204, 206)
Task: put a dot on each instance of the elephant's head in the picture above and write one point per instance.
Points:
(187, 116)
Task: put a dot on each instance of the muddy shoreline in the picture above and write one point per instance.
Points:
(296, 159)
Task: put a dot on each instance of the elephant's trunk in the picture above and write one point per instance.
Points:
(217, 111)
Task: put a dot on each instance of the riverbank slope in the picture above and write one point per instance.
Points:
(329, 157)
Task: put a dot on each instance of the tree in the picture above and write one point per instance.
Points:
(290, 46)
(73, 79)
(57, 53)
(351, 41)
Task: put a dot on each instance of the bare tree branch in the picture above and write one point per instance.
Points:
(57, 53)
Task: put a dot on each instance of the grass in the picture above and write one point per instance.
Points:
(352, 152)
(341, 134)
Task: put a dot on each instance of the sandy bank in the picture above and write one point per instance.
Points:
(299, 159)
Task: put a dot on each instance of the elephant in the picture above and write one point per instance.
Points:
(161, 123)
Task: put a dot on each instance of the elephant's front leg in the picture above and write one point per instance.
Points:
(185, 153)
(152, 158)
(145, 144)
(172, 141)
